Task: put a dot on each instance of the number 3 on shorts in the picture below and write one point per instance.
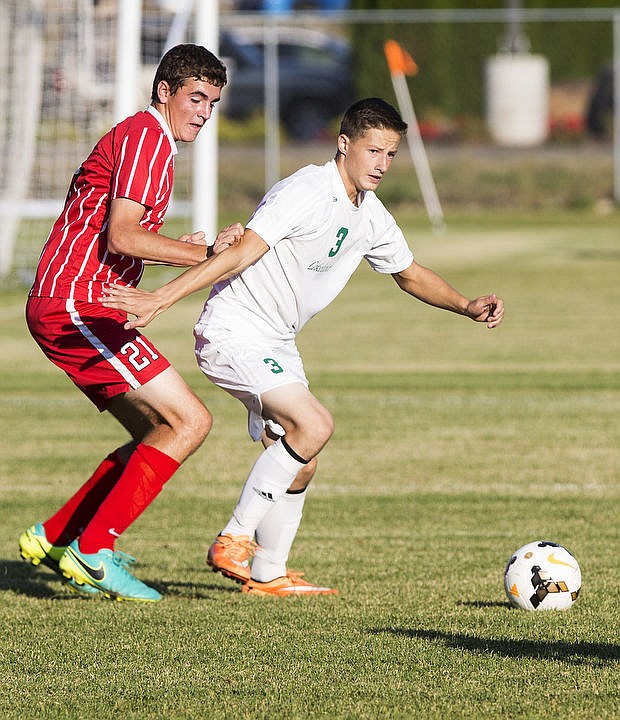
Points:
(274, 365)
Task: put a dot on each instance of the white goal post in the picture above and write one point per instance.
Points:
(21, 64)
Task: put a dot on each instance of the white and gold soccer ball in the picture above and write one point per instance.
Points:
(542, 575)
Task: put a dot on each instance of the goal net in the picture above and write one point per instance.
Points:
(55, 58)
(58, 61)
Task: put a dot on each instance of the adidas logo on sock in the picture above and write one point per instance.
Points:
(263, 494)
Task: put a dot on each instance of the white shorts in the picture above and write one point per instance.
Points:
(247, 369)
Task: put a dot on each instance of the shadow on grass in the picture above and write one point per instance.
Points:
(40, 582)
(576, 653)
(482, 603)
(21, 577)
(193, 591)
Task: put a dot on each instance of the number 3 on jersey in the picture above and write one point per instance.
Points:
(274, 366)
(340, 235)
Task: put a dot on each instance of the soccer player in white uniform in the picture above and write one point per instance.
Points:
(298, 251)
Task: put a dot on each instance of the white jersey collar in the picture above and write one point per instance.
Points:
(341, 188)
(160, 119)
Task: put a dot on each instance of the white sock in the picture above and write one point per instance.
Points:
(275, 535)
(273, 472)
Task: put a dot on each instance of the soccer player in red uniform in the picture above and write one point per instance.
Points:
(108, 229)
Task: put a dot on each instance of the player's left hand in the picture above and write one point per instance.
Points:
(488, 309)
(230, 235)
(196, 238)
(141, 303)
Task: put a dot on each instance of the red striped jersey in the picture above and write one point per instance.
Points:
(134, 160)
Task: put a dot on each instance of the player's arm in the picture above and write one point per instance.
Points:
(127, 237)
(148, 305)
(427, 286)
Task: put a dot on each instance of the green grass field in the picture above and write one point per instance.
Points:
(453, 446)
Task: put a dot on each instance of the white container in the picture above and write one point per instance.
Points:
(517, 99)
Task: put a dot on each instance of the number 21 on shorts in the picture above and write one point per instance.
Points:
(136, 355)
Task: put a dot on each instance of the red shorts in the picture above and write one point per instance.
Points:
(88, 342)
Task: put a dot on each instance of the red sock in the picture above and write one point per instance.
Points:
(76, 513)
(144, 476)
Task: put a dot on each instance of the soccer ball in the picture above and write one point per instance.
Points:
(542, 575)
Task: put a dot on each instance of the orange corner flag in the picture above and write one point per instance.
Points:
(398, 59)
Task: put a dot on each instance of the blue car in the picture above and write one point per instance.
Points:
(283, 6)
(315, 77)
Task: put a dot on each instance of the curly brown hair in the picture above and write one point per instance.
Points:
(188, 61)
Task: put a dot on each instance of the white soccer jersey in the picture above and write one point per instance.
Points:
(317, 238)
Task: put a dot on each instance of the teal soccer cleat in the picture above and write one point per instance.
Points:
(106, 571)
(35, 548)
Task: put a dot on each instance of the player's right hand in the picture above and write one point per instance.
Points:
(227, 236)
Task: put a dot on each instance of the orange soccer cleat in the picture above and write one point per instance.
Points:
(230, 555)
(291, 584)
